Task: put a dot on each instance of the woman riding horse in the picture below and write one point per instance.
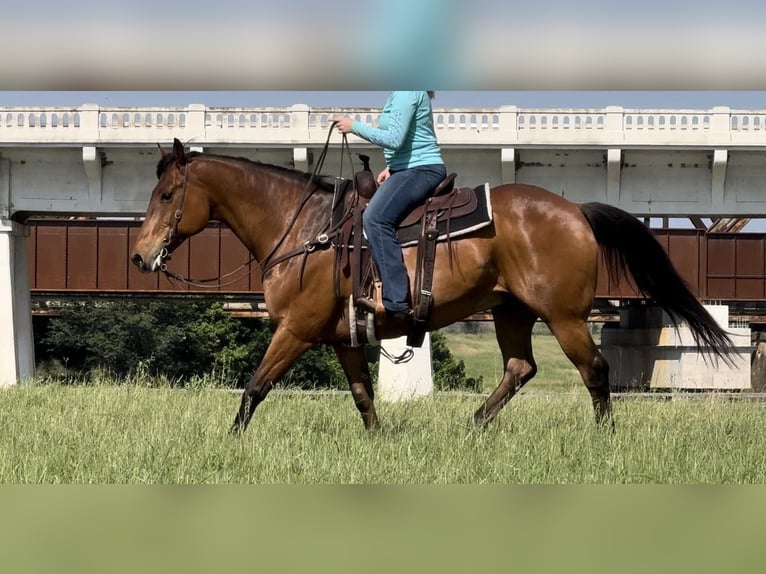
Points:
(537, 260)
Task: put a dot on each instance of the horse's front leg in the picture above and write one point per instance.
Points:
(282, 352)
(354, 363)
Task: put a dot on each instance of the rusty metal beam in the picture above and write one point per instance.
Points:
(698, 223)
(91, 258)
(728, 225)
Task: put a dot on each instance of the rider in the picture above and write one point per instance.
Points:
(414, 168)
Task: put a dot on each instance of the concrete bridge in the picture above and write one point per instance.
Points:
(100, 161)
(649, 162)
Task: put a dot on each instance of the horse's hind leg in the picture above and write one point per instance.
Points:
(354, 363)
(513, 329)
(282, 352)
(578, 345)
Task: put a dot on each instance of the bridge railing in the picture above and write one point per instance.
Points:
(304, 126)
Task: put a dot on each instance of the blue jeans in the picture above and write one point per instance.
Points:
(392, 202)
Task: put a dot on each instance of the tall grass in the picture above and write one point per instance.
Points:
(132, 434)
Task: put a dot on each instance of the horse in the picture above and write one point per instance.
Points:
(538, 259)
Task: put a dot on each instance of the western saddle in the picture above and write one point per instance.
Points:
(353, 259)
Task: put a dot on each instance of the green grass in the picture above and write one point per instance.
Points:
(130, 434)
(481, 355)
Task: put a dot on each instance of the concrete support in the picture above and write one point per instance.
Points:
(301, 158)
(646, 352)
(720, 159)
(5, 189)
(758, 364)
(405, 381)
(508, 159)
(17, 356)
(92, 162)
(613, 174)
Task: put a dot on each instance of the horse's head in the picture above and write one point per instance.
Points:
(178, 208)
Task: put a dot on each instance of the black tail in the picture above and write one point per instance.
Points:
(629, 244)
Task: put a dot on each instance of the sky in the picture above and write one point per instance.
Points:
(745, 100)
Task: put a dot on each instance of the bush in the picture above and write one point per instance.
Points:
(176, 339)
(449, 375)
(190, 340)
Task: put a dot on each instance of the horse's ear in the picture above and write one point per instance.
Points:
(178, 150)
(163, 151)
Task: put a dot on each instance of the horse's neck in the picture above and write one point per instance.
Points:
(261, 210)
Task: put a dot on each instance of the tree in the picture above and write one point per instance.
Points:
(174, 338)
(180, 339)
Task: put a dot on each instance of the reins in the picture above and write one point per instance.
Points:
(269, 261)
(323, 239)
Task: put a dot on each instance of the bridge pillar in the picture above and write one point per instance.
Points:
(508, 159)
(720, 161)
(301, 159)
(647, 352)
(17, 354)
(613, 175)
(91, 161)
(405, 381)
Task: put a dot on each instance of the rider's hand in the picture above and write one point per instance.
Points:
(383, 176)
(343, 125)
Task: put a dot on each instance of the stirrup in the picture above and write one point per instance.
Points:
(367, 304)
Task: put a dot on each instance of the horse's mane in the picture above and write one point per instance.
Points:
(323, 182)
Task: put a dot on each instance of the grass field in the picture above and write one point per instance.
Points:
(130, 431)
(131, 434)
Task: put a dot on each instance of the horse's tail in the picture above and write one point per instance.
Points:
(628, 244)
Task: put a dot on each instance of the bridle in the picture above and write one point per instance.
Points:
(206, 283)
(179, 213)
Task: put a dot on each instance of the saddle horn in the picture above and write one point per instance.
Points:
(365, 161)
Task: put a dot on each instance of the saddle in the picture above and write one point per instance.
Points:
(448, 209)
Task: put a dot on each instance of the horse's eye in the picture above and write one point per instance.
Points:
(166, 196)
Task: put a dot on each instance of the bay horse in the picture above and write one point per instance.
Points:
(537, 260)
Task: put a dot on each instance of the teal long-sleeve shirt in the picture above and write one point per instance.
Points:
(405, 131)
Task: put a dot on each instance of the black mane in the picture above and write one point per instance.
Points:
(324, 182)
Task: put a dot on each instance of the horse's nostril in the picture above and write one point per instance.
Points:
(138, 260)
